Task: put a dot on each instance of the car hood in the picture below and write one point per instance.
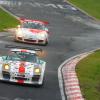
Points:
(16, 65)
(32, 31)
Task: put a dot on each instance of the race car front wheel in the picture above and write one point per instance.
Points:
(39, 85)
(46, 43)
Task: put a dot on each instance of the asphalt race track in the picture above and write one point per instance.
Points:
(70, 34)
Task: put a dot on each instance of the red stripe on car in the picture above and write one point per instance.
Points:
(22, 68)
(23, 50)
(20, 81)
(35, 31)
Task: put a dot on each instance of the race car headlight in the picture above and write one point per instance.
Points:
(19, 33)
(37, 70)
(6, 67)
(41, 35)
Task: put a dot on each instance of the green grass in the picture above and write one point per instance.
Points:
(88, 71)
(90, 6)
(7, 21)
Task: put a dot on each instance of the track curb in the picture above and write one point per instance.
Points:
(71, 82)
(68, 80)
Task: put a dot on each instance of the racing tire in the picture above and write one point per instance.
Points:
(15, 40)
(46, 43)
(6, 74)
(39, 85)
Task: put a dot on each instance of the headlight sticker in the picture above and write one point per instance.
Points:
(6, 66)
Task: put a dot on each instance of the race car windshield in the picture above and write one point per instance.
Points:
(32, 25)
(22, 56)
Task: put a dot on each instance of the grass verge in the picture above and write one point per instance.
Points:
(90, 6)
(7, 21)
(88, 71)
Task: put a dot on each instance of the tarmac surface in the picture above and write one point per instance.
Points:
(72, 32)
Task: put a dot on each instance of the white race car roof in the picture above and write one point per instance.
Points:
(34, 21)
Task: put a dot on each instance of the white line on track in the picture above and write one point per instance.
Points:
(6, 42)
(4, 98)
(21, 99)
(9, 13)
(61, 82)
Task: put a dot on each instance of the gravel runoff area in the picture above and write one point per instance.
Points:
(70, 87)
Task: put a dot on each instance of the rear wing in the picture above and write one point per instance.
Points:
(38, 51)
(22, 47)
(29, 20)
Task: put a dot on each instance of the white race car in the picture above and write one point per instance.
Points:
(32, 31)
(22, 66)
